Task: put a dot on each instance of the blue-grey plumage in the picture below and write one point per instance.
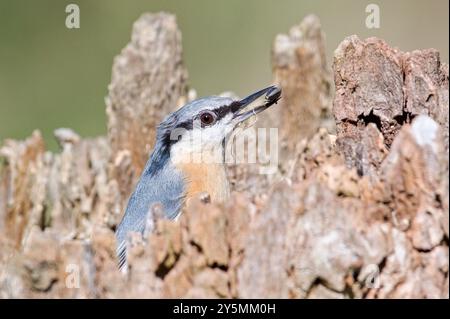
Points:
(164, 185)
(164, 180)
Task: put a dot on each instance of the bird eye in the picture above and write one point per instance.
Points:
(207, 118)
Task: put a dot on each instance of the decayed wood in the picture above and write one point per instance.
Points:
(385, 87)
(300, 68)
(148, 80)
(363, 214)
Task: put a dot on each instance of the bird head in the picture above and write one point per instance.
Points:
(172, 174)
(197, 131)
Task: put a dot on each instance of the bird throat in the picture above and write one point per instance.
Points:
(208, 178)
(203, 168)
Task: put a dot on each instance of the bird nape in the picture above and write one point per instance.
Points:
(188, 159)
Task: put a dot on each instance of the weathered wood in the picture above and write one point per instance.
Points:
(148, 80)
(381, 86)
(300, 68)
(363, 214)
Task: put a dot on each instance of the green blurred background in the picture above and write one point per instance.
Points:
(53, 77)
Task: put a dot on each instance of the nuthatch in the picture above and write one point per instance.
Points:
(172, 175)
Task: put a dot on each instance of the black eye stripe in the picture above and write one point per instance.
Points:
(188, 125)
(222, 111)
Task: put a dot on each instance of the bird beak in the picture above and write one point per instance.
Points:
(260, 101)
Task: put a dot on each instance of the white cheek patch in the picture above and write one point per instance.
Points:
(202, 145)
(215, 133)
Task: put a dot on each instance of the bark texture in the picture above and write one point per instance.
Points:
(300, 68)
(389, 88)
(148, 81)
(360, 214)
